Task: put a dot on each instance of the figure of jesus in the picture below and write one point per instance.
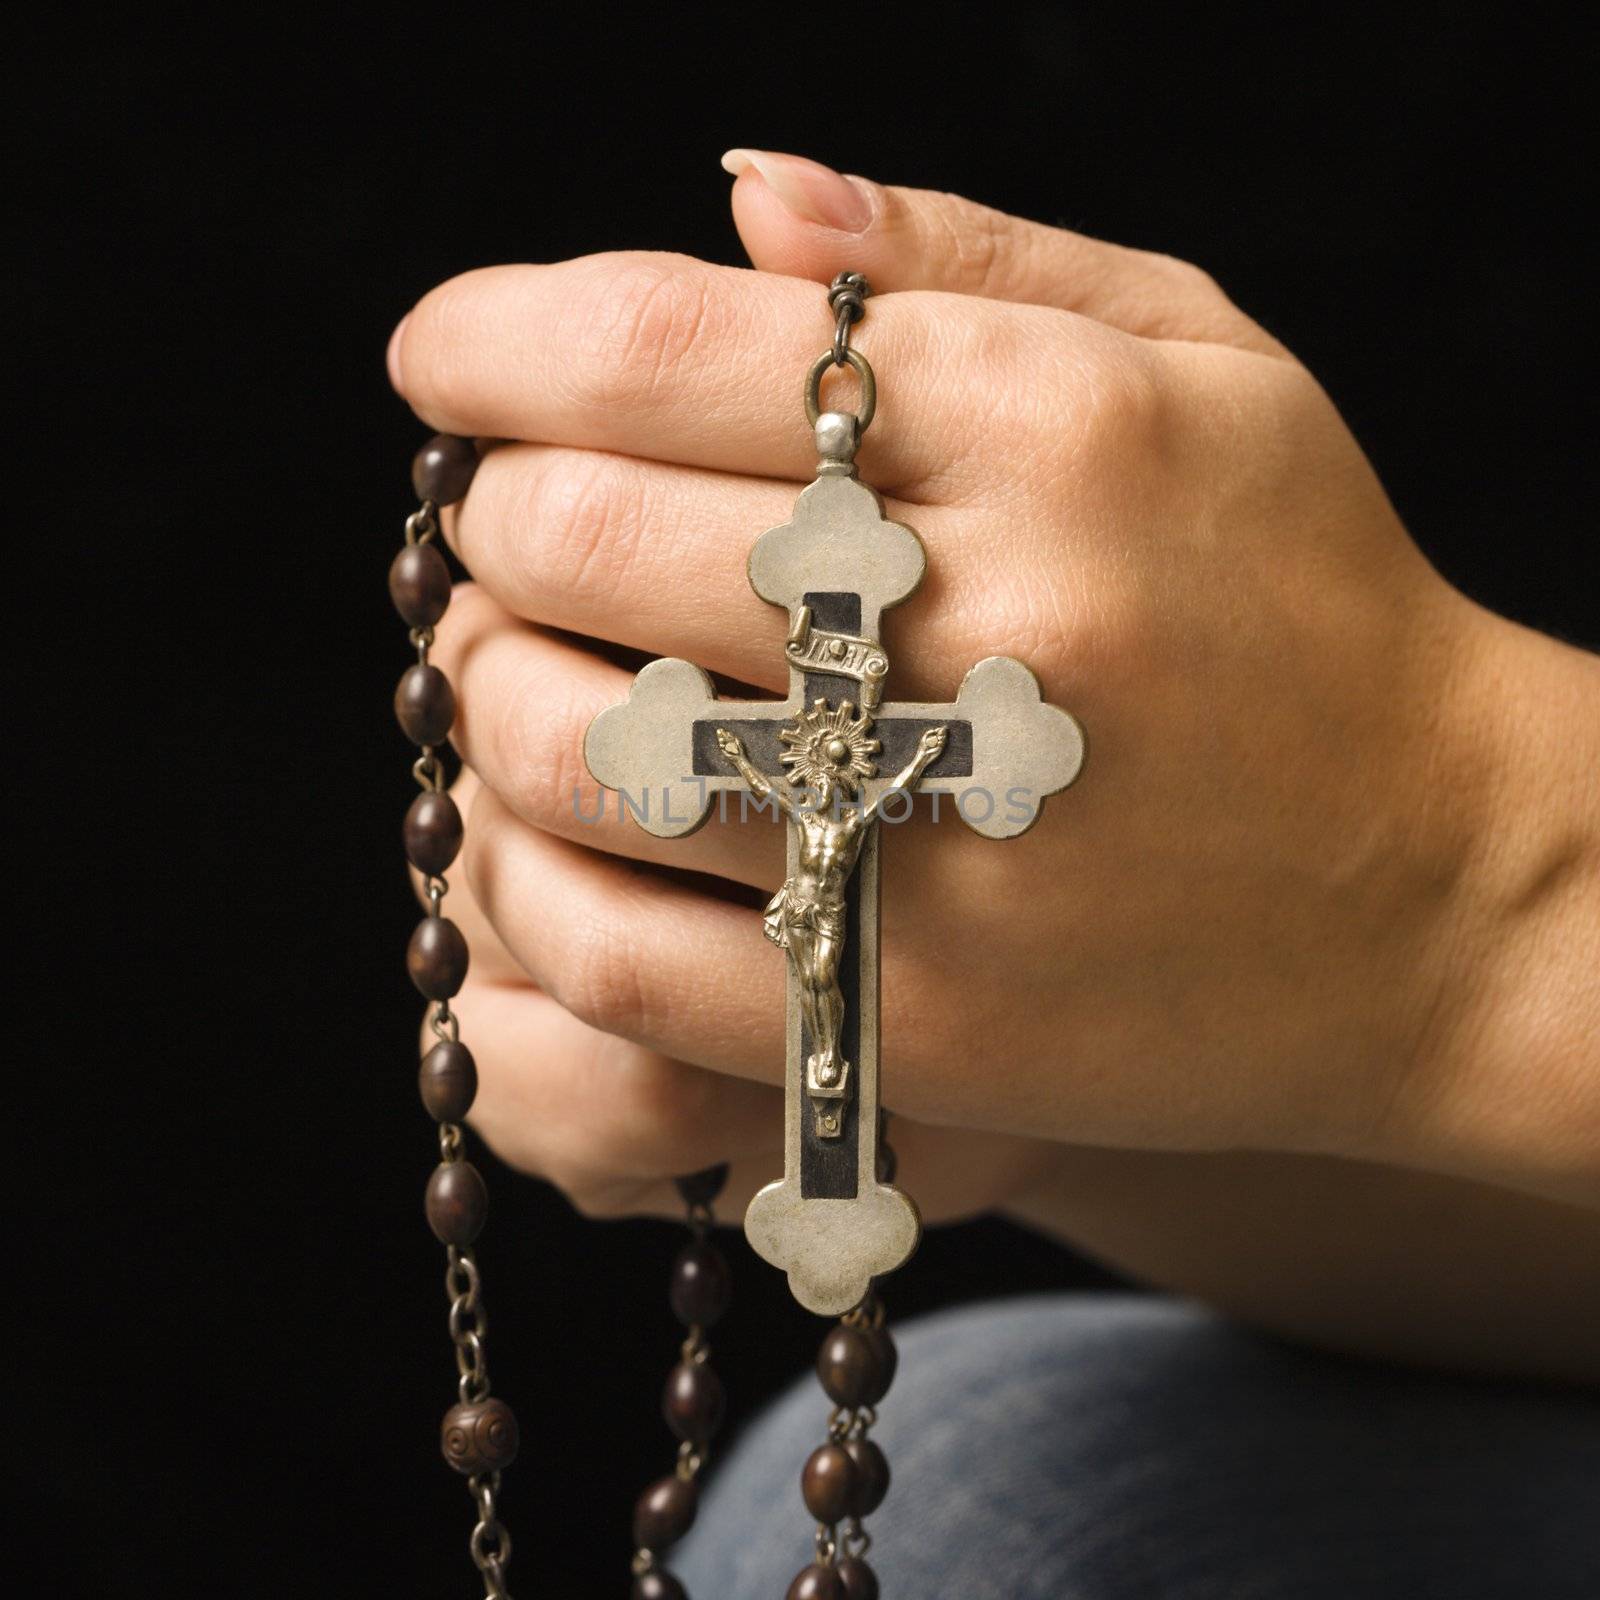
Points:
(829, 755)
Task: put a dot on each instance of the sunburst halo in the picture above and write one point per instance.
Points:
(828, 743)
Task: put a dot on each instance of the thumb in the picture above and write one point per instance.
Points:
(802, 219)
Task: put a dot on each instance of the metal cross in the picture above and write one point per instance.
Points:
(998, 749)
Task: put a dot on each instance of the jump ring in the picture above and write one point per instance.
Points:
(863, 371)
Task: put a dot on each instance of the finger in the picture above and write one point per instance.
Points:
(629, 951)
(524, 700)
(669, 358)
(609, 1122)
(626, 550)
(802, 219)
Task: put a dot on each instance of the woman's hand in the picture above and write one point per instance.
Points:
(1327, 882)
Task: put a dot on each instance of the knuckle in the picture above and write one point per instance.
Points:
(1189, 280)
(640, 316)
(586, 509)
(970, 239)
(1113, 403)
(598, 980)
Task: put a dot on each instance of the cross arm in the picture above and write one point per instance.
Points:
(1022, 748)
(658, 750)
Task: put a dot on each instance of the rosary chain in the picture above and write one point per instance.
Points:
(692, 1402)
(846, 1478)
(847, 296)
(479, 1432)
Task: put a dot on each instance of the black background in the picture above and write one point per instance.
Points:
(229, 1343)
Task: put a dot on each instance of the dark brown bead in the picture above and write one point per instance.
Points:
(436, 958)
(448, 1080)
(441, 471)
(479, 1436)
(888, 1362)
(828, 1484)
(816, 1583)
(857, 1581)
(849, 1367)
(702, 1188)
(457, 1203)
(872, 1476)
(658, 1585)
(432, 831)
(425, 704)
(664, 1512)
(419, 585)
(693, 1401)
(702, 1286)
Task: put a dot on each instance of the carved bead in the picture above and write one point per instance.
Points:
(448, 1081)
(702, 1188)
(816, 1583)
(872, 1476)
(457, 1203)
(442, 470)
(436, 958)
(432, 831)
(702, 1286)
(664, 1512)
(479, 1436)
(693, 1401)
(658, 1585)
(419, 585)
(849, 1367)
(424, 704)
(828, 1484)
(857, 1581)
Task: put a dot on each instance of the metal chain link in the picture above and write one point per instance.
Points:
(847, 296)
(490, 1541)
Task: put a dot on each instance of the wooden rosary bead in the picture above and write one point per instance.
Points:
(857, 1581)
(436, 958)
(448, 1081)
(665, 1512)
(658, 1585)
(457, 1203)
(702, 1188)
(850, 1368)
(424, 704)
(872, 1476)
(888, 1360)
(432, 832)
(816, 1582)
(701, 1286)
(479, 1436)
(828, 1484)
(442, 470)
(419, 585)
(693, 1401)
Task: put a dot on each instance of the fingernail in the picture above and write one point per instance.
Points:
(392, 358)
(810, 190)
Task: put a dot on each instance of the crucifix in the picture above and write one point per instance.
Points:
(839, 762)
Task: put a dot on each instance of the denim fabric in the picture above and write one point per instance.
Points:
(1113, 1447)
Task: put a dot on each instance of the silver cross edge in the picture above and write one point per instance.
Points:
(998, 750)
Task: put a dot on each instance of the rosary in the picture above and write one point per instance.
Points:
(835, 1222)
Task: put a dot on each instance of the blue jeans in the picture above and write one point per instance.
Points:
(1114, 1447)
